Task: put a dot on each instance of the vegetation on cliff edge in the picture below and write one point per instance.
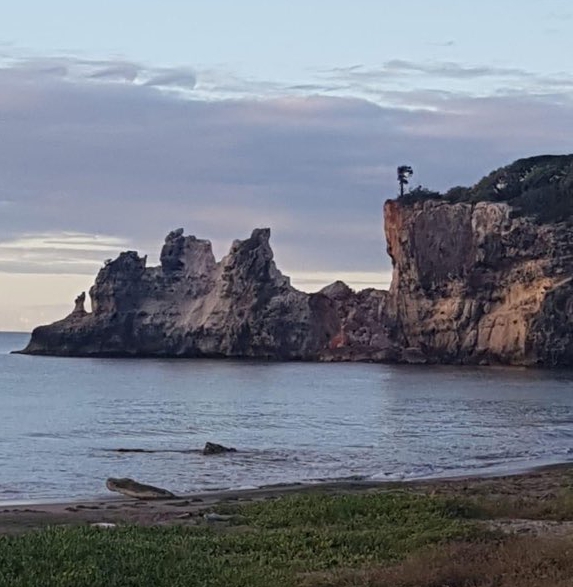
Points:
(540, 187)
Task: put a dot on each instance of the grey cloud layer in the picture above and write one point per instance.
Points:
(400, 67)
(104, 70)
(87, 154)
(400, 76)
(69, 253)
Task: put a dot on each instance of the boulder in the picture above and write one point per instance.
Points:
(212, 448)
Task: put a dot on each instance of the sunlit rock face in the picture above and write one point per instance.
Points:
(483, 275)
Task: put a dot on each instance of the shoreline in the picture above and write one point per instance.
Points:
(378, 480)
(189, 509)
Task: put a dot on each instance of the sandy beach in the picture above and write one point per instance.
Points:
(537, 486)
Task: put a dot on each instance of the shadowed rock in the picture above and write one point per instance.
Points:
(212, 448)
(192, 306)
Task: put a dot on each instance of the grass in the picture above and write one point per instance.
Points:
(386, 539)
(278, 543)
(556, 507)
(511, 562)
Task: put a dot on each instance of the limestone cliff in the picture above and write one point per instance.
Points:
(192, 306)
(483, 275)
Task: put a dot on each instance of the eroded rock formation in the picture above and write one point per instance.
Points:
(192, 306)
(482, 275)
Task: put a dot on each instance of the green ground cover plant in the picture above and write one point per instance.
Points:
(273, 543)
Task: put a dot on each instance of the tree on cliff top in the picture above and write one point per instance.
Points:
(404, 173)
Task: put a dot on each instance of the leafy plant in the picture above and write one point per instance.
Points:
(277, 542)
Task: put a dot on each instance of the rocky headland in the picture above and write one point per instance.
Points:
(193, 306)
(481, 275)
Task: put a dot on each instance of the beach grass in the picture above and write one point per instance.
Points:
(284, 542)
(556, 506)
(510, 561)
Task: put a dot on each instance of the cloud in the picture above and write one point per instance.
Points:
(449, 43)
(402, 67)
(175, 77)
(447, 70)
(58, 253)
(401, 77)
(77, 70)
(373, 83)
(94, 148)
(117, 71)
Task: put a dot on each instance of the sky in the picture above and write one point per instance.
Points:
(122, 120)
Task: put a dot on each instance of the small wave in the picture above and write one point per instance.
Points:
(416, 472)
(559, 422)
(556, 433)
(347, 478)
(151, 451)
(45, 435)
(506, 455)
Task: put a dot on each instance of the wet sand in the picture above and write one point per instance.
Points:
(542, 484)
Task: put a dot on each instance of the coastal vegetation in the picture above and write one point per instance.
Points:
(539, 187)
(391, 538)
(276, 542)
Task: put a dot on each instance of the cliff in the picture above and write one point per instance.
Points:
(481, 275)
(193, 306)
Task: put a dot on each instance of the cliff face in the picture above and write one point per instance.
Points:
(482, 275)
(477, 282)
(192, 306)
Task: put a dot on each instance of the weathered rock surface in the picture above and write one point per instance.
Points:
(482, 275)
(478, 281)
(132, 488)
(192, 306)
(361, 326)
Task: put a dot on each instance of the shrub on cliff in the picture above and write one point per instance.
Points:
(539, 187)
(419, 194)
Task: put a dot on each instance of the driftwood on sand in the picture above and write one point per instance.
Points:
(132, 488)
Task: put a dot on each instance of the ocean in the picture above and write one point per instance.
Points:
(62, 421)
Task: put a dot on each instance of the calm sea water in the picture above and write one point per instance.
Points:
(61, 420)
